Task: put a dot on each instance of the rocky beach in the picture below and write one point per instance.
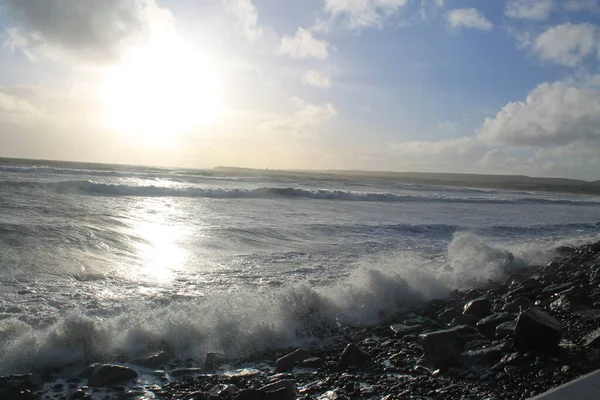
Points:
(536, 330)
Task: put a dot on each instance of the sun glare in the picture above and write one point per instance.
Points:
(163, 91)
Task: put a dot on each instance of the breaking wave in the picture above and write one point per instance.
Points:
(89, 187)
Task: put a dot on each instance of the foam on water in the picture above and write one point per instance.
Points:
(238, 323)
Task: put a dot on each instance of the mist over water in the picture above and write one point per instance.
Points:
(103, 262)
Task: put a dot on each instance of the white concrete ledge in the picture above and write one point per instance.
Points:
(586, 387)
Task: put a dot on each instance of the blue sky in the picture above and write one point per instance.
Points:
(509, 87)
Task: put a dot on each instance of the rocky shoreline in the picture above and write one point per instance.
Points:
(538, 329)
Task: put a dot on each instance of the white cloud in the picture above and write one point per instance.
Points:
(93, 31)
(557, 114)
(468, 18)
(530, 9)
(317, 79)
(566, 44)
(496, 159)
(363, 13)
(246, 15)
(302, 122)
(12, 107)
(303, 45)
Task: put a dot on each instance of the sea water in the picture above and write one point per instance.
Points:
(102, 262)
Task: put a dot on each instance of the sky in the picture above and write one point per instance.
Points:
(476, 86)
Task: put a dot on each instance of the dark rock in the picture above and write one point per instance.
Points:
(592, 339)
(108, 374)
(466, 319)
(481, 307)
(559, 287)
(505, 330)
(79, 394)
(176, 373)
(448, 315)
(550, 268)
(287, 362)
(487, 326)
(516, 304)
(442, 348)
(487, 356)
(154, 361)
(213, 361)
(536, 330)
(280, 390)
(401, 330)
(353, 355)
(20, 387)
(312, 362)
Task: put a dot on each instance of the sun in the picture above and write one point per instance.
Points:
(162, 91)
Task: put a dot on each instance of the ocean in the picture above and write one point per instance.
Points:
(107, 262)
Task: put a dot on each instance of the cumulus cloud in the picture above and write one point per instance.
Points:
(496, 159)
(567, 44)
(554, 114)
(303, 45)
(530, 9)
(13, 108)
(468, 18)
(317, 79)
(302, 122)
(246, 14)
(364, 13)
(92, 30)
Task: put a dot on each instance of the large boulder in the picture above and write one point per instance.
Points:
(287, 362)
(443, 348)
(536, 330)
(108, 374)
(153, 361)
(353, 356)
(481, 307)
(487, 326)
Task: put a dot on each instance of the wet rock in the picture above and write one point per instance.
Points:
(312, 362)
(213, 361)
(20, 386)
(281, 390)
(592, 339)
(353, 356)
(487, 326)
(557, 288)
(401, 330)
(486, 356)
(289, 361)
(506, 330)
(443, 348)
(108, 374)
(516, 304)
(551, 268)
(79, 394)
(536, 330)
(466, 319)
(481, 308)
(154, 361)
(448, 315)
(176, 373)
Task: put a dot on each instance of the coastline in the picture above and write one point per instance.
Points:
(534, 331)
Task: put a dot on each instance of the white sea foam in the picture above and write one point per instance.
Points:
(245, 321)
